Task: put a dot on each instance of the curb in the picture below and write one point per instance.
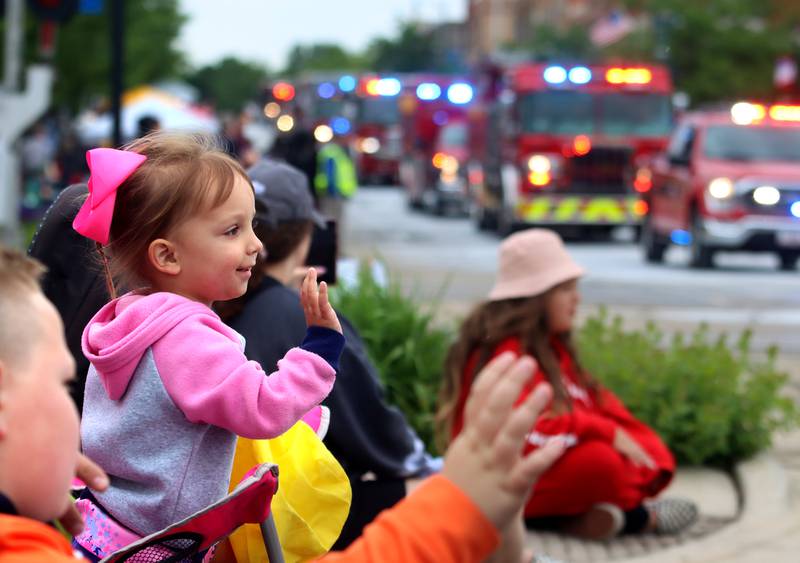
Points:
(765, 505)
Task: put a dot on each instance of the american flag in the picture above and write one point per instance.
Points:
(611, 28)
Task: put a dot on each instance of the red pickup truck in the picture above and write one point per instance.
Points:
(729, 180)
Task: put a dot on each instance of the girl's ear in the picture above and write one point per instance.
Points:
(163, 256)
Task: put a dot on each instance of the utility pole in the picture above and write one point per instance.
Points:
(117, 68)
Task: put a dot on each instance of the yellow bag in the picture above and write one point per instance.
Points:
(313, 498)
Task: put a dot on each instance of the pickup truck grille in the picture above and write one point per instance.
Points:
(790, 194)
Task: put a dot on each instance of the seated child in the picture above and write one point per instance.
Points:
(169, 387)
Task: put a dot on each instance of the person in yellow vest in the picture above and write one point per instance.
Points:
(335, 181)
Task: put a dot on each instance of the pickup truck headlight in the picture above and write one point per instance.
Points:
(720, 188)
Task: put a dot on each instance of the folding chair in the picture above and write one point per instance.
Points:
(248, 503)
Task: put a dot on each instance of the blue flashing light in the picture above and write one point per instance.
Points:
(326, 90)
(555, 74)
(347, 83)
(580, 75)
(340, 125)
(460, 93)
(388, 87)
(440, 118)
(428, 91)
(681, 238)
(795, 209)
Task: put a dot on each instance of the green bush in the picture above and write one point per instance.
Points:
(711, 402)
(404, 343)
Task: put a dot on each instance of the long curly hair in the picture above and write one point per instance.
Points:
(486, 327)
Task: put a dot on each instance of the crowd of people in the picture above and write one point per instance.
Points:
(176, 280)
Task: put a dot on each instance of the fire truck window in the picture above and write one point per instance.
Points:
(746, 144)
(647, 115)
(382, 110)
(326, 109)
(567, 113)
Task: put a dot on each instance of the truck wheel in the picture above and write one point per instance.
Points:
(700, 255)
(654, 246)
(788, 260)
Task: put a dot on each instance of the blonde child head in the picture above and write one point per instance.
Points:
(38, 421)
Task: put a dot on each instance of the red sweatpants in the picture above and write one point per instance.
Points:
(592, 472)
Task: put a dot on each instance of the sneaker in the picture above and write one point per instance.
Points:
(673, 515)
(601, 522)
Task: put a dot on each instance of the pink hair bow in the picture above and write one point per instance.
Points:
(108, 169)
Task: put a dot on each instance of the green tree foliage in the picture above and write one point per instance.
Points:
(82, 56)
(229, 83)
(412, 50)
(321, 57)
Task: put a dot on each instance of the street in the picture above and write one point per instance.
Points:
(449, 260)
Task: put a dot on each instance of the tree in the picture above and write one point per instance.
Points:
(321, 57)
(412, 50)
(82, 56)
(229, 83)
(717, 49)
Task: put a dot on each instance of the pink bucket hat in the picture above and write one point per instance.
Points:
(531, 262)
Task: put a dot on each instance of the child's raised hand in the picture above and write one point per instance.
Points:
(315, 303)
(485, 460)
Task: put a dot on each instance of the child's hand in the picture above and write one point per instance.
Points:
(315, 303)
(96, 479)
(485, 460)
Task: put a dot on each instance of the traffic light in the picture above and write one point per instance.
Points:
(58, 11)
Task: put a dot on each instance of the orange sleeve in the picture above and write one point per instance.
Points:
(437, 523)
(23, 540)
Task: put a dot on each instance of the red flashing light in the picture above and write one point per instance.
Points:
(283, 91)
(539, 179)
(629, 75)
(372, 86)
(644, 181)
(640, 208)
(581, 145)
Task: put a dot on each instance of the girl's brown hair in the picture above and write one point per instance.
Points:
(487, 326)
(182, 176)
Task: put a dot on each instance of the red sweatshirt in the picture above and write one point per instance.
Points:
(23, 540)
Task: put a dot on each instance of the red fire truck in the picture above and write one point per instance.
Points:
(557, 145)
(377, 133)
(729, 181)
(434, 120)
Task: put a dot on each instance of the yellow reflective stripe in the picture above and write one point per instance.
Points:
(567, 209)
(577, 209)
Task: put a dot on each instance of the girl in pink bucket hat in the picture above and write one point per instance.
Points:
(613, 462)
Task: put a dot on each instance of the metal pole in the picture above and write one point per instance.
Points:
(117, 67)
(15, 16)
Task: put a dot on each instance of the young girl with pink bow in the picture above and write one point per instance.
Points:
(169, 387)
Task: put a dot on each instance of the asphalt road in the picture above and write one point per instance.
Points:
(447, 259)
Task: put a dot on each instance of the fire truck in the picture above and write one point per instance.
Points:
(435, 150)
(729, 181)
(557, 145)
(377, 133)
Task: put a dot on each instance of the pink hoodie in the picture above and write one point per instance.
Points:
(168, 390)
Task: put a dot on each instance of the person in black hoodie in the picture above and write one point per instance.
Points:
(74, 281)
(372, 440)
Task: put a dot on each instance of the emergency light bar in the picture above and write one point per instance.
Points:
(559, 75)
(428, 91)
(745, 113)
(629, 76)
(785, 113)
(460, 93)
(326, 90)
(347, 83)
(388, 87)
